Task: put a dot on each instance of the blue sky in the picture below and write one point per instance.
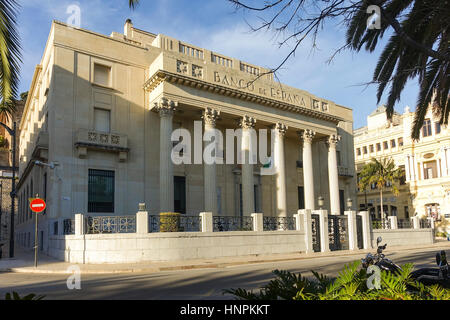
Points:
(215, 25)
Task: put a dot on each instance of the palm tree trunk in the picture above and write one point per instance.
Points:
(381, 202)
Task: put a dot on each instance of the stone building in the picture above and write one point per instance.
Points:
(426, 163)
(101, 111)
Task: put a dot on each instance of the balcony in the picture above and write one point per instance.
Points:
(345, 171)
(40, 150)
(94, 140)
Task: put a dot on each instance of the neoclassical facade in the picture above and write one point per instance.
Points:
(102, 111)
(426, 163)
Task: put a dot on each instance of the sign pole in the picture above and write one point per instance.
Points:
(36, 238)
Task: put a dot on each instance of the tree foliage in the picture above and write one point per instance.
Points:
(10, 56)
(418, 46)
(351, 284)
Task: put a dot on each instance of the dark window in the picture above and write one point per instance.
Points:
(378, 146)
(301, 198)
(342, 201)
(437, 127)
(426, 129)
(406, 212)
(101, 191)
(393, 143)
(400, 142)
(385, 145)
(358, 151)
(371, 148)
(179, 195)
(365, 150)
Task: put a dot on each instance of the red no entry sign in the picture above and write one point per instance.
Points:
(37, 205)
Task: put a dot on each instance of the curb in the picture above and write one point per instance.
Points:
(213, 265)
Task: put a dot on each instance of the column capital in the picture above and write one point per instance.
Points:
(332, 140)
(210, 116)
(247, 122)
(281, 128)
(306, 135)
(165, 107)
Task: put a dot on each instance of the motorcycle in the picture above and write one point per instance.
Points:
(426, 276)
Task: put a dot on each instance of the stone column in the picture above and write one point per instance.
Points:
(307, 228)
(393, 222)
(142, 220)
(258, 224)
(366, 229)
(207, 221)
(280, 131)
(79, 224)
(166, 108)
(209, 169)
(308, 176)
(416, 222)
(248, 190)
(407, 172)
(352, 232)
(333, 174)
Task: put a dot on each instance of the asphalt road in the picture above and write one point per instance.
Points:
(199, 284)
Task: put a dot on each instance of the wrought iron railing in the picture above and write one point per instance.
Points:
(278, 223)
(69, 226)
(174, 223)
(381, 224)
(424, 224)
(110, 224)
(404, 224)
(232, 223)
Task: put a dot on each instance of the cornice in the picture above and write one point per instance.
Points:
(161, 76)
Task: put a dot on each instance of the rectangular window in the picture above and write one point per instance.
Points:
(338, 157)
(378, 146)
(102, 120)
(385, 145)
(101, 191)
(393, 143)
(102, 75)
(371, 148)
(301, 198)
(400, 142)
(365, 150)
(437, 127)
(358, 151)
(179, 194)
(426, 129)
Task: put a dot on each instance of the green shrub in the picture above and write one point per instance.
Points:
(169, 222)
(15, 296)
(351, 284)
(3, 142)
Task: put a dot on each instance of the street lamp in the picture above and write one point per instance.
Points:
(320, 202)
(12, 133)
(349, 204)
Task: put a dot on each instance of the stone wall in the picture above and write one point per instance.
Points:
(173, 246)
(403, 237)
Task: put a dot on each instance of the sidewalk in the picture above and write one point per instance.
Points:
(24, 261)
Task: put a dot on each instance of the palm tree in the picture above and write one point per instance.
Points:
(383, 174)
(419, 47)
(10, 56)
(133, 3)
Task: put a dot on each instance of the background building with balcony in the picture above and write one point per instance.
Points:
(425, 191)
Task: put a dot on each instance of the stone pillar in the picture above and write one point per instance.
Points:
(79, 224)
(280, 131)
(308, 177)
(323, 222)
(248, 190)
(431, 222)
(165, 108)
(258, 222)
(407, 171)
(366, 229)
(207, 221)
(142, 220)
(209, 169)
(393, 222)
(333, 175)
(306, 225)
(416, 222)
(352, 232)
